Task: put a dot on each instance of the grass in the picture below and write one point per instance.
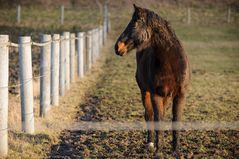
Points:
(112, 93)
(213, 96)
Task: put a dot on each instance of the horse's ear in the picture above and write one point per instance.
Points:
(135, 7)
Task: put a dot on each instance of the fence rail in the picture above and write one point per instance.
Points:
(62, 58)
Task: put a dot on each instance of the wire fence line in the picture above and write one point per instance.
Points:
(62, 58)
(12, 44)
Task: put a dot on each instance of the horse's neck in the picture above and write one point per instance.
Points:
(168, 53)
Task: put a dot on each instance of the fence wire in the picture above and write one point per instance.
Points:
(11, 44)
(41, 44)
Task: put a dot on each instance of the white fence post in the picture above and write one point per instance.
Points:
(80, 52)
(106, 17)
(45, 73)
(93, 46)
(97, 44)
(98, 41)
(67, 56)
(89, 50)
(72, 57)
(101, 36)
(189, 16)
(229, 15)
(105, 30)
(62, 67)
(18, 14)
(55, 53)
(25, 62)
(4, 65)
(62, 14)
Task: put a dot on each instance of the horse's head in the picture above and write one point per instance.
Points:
(135, 34)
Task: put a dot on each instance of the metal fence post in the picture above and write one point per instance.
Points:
(62, 14)
(72, 57)
(101, 36)
(80, 52)
(98, 42)
(62, 67)
(55, 53)
(229, 15)
(67, 56)
(4, 65)
(189, 16)
(93, 46)
(105, 30)
(89, 50)
(45, 73)
(25, 62)
(18, 14)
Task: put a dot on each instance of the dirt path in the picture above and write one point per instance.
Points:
(117, 97)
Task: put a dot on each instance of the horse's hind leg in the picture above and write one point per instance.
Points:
(158, 106)
(146, 99)
(178, 104)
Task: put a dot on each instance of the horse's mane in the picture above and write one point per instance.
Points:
(162, 31)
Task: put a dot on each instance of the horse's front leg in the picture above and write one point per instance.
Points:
(158, 107)
(146, 99)
(178, 104)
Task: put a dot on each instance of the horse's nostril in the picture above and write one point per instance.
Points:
(121, 46)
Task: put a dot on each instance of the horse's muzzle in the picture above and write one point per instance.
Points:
(120, 48)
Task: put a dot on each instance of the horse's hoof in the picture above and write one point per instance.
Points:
(151, 146)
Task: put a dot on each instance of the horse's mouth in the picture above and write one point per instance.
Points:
(121, 53)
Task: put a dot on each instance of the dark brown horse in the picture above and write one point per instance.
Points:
(163, 70)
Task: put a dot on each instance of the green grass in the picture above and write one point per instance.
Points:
(38, 20)
(213, 96)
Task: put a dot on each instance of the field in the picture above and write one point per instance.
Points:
(109, 92)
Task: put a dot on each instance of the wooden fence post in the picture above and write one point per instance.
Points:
(62, 66)
(18, 14)
(229, 15)
(89, 50)
(80, 52)
(4, 65)
(62, 14)
(72, 57)
(25, 62)
(67, 56)
(45, 73)
(55, 53)
(189, 16)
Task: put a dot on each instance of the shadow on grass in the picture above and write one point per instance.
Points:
(32, 144)
(32, 139)
(98, 144)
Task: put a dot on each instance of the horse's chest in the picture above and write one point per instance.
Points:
(151, 74)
